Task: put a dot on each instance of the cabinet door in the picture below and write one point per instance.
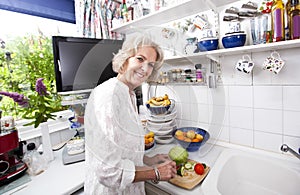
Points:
(153, 190)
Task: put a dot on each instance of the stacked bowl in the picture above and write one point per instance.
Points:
(161, 121)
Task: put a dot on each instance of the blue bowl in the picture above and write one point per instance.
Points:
(208, 44)
(158, 110)
(192, 146)
(234, 40)
(161, 110)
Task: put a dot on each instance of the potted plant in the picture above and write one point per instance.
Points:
(38, 109)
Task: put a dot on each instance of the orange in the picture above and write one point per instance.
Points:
(180, 137)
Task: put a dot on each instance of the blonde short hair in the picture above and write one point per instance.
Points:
(130, 48)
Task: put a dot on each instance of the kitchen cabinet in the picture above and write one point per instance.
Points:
(190, 7)
(151, 189)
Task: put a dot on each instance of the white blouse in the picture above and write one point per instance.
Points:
(114, 141)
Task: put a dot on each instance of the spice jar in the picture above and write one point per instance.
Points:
(200, 73)
(178, 75)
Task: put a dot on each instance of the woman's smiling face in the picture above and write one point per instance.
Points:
(139, 67)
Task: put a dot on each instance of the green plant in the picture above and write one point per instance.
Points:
(38, 105)
(22, 62)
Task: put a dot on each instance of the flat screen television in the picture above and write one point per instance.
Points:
(82, 63)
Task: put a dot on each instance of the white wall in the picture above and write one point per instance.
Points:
(262, 110)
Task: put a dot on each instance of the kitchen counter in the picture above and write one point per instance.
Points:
(67, 179)
(57, 179)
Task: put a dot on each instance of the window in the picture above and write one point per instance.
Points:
(15, 25)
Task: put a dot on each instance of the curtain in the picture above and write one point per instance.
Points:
(94, 18)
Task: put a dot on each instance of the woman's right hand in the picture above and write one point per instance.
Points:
(167, 170)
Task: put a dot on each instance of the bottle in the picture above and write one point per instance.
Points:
(124, 12)
(130, 13)
(200, 73)
(287, 9)
(35, 162)
(293, 15)
(265, 7)
(278, 21)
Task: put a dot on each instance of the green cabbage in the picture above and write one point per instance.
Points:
(179, 155)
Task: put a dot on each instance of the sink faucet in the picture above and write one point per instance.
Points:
(286, 148)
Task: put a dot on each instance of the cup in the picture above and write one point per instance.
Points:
(201, 22)
(259, 28)
(245, 64)
(234, 27)
(7, 123)
(207, 33)
(273, 63)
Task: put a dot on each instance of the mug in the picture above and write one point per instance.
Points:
(245, 64)
(4, 166)
(234, 27)
(273, 63)
(7, 123)
(201, 22)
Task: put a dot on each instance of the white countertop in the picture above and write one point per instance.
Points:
(67, 179)
(57, 179)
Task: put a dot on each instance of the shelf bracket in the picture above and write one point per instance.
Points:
(210, 4)
(213, 58)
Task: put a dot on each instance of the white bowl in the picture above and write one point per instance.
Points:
(162, 118)
(160, 124)
(164, 139)
(164, 131)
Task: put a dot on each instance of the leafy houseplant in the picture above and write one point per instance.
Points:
(38, 105)
(22, 61)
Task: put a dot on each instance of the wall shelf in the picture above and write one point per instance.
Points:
(181, 10)
(190, 7)
(180, 60)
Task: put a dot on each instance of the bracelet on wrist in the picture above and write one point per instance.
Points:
(157, 175)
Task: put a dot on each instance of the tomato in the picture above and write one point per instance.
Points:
(199, 169)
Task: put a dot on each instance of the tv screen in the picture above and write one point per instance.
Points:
(83, 63)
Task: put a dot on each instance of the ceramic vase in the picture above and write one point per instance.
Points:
(46, 141)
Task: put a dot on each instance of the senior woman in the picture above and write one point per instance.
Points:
(115, 160)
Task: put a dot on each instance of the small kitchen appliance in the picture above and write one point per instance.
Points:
(11, 165)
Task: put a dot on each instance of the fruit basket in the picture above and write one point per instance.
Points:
(160, 105)
(191, 138)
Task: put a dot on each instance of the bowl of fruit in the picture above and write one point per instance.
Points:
(190, 138)
(149, 140)
(160, 105)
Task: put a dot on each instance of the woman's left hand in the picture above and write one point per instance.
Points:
(156, 159)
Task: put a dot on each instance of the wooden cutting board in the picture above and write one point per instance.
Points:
(190, 180)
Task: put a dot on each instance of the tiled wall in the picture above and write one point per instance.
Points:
(261, 110)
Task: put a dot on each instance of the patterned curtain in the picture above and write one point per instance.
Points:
(94, 18)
